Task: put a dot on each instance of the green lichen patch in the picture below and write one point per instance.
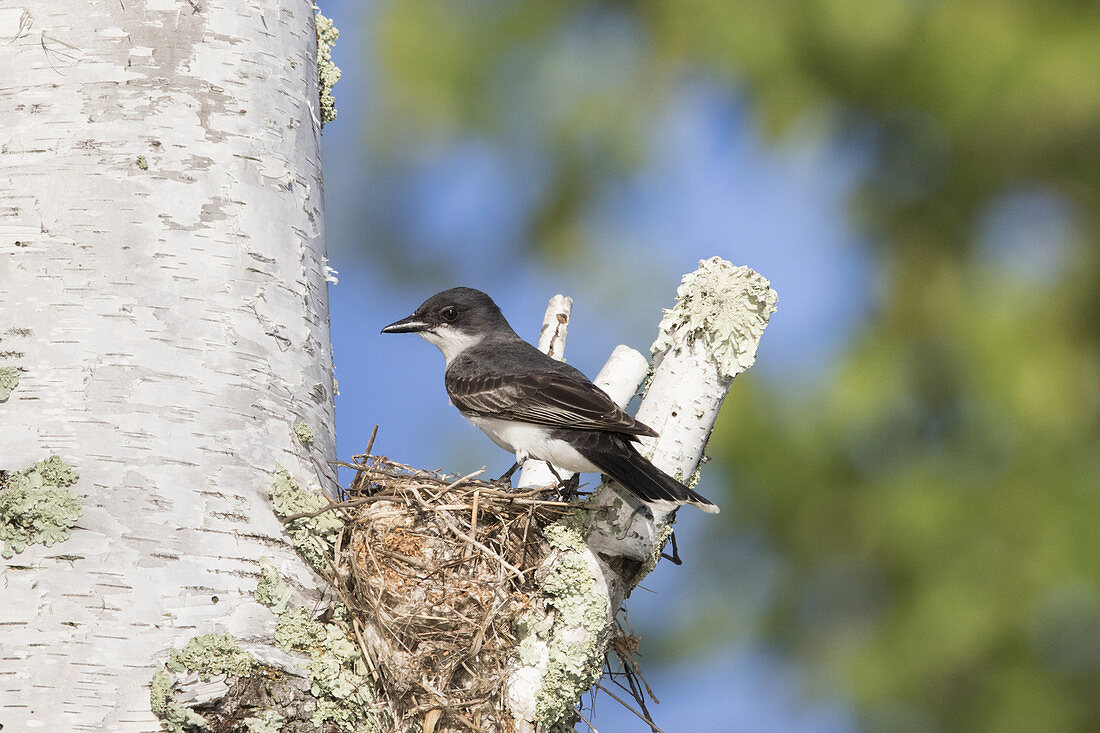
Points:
(212, 654)
(37, 507)
(328, 73)
(271, 591)
(56, 472)
(530, 628)
(341, 695)
(9, 380)
(304, 433)
(312, 537)
(142, 163)
(173, 716)
(569, 675)
(574, 663)
(726, 306)
(337, 670)
(295, 630)
(572, 591)
(270, 722)
(249, 691)
(568, 532)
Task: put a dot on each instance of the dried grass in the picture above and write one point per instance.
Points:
(434, 572)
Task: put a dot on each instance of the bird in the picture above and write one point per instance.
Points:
(534, 406)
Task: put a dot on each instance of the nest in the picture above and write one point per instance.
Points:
(434, 572)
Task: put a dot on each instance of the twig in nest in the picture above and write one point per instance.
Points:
(626, 644)
(473, 513)
(405, 559)
(586, 721)
(616, 698)
(467, 538)
(338, 505)
(430, 719)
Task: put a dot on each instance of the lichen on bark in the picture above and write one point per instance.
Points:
(207, 656)
(304, 433)
(269, 722)
(337, 670)
(9, 380)
(328, 73)
(581, 618)
(174, 717)
(37, 507)
(211, 654)
(728, 306)
(271, 590)
(312, 537)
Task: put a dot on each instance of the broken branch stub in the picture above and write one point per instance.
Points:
(710, 336)
(552, 335)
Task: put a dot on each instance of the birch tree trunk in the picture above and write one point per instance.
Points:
(164, 328)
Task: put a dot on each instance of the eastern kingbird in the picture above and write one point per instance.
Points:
(535, 406)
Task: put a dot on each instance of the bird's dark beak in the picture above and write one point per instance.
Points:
(410, 324)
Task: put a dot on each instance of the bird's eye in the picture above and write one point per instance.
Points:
(449, 314)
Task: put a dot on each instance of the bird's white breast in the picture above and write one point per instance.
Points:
(532, 441)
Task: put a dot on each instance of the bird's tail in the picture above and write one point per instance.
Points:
(649, 483)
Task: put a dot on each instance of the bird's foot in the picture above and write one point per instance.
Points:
(570, 487)
(566, 487)
(506, 477)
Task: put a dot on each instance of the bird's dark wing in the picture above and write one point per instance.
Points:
(558, 399)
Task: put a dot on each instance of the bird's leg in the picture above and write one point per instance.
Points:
(507, 476)
(570, 487)
(567, 486)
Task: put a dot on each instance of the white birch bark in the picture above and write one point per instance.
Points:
(552, 335)
(622, 373)
(163, 296)
(709, 337)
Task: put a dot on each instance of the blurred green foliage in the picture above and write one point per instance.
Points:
(936, 505)
(934, 499)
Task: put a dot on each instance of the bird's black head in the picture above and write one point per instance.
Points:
(454, 320)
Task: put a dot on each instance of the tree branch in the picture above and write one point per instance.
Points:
(555, 328)
(704, 341)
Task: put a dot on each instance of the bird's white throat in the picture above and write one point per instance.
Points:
(450, 340)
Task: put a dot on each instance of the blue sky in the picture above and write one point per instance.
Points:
(712, 187)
